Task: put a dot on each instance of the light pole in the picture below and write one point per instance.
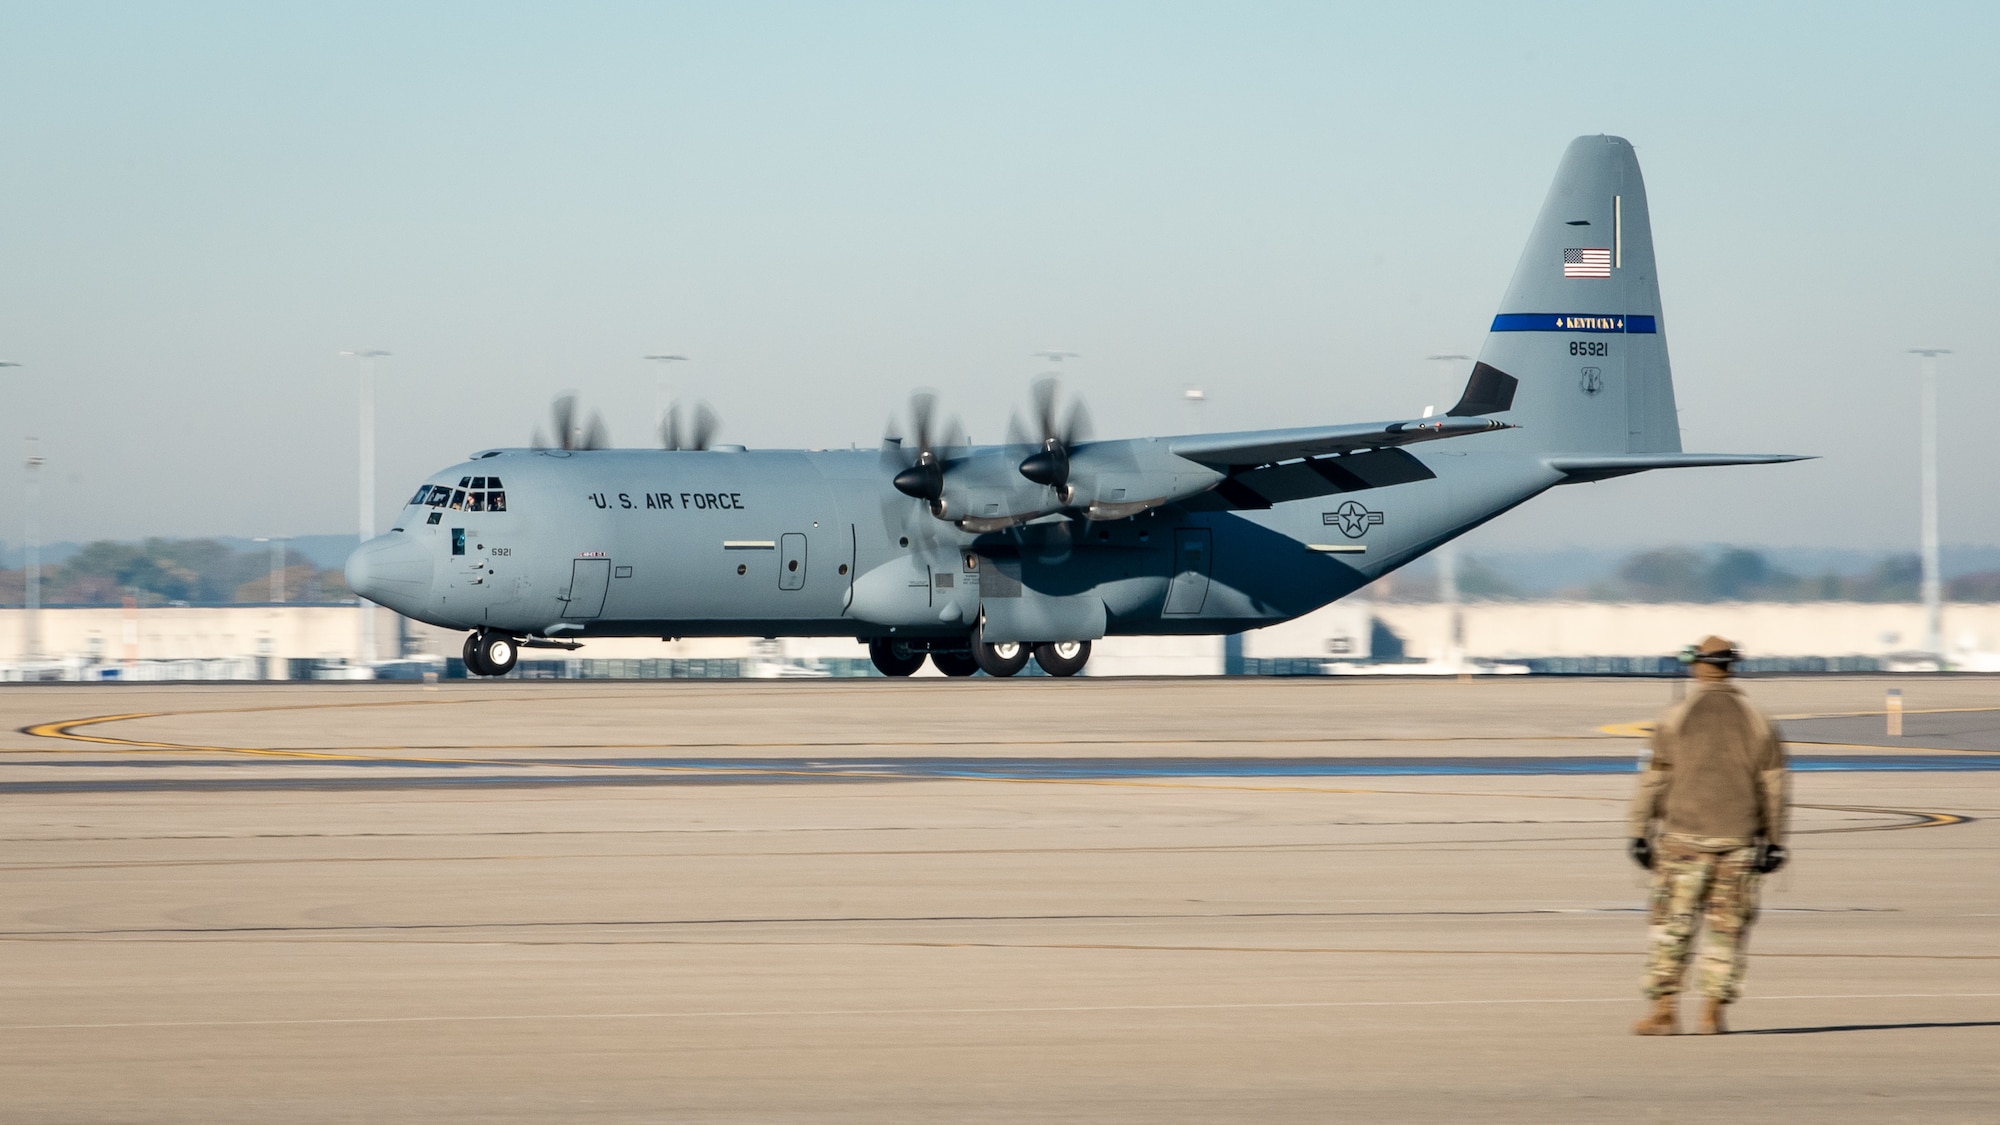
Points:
(33, 646)
(1447, 555)
(1932, 588)
(660, 396)
(367, 356)
(277, 543)
(1195, 397)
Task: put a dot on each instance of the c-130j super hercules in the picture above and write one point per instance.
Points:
(978, 557)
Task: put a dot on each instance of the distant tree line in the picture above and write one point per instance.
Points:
(166, 571)
(1728, 574)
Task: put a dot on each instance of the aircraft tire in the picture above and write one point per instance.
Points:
(954, 663)
(894, 658)
(1000, 660)
(1062, 658)
(473, 665)
(498, 653)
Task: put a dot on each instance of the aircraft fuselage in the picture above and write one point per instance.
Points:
(795, 543)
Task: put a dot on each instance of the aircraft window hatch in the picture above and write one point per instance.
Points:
(423, 491)
(440, 496)
(457, 499)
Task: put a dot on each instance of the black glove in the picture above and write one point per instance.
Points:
(1770, 857)
(1641, 850)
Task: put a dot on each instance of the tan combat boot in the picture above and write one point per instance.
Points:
(1663, 1021)
(1711, 1017)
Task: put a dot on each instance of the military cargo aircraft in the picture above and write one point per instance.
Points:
(979, 558)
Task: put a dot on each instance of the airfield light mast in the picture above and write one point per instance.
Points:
(1447, 555)
(367, 356)
(1195, 397)
(1932, 588)
(660, 395)
(277, 543)
(31, 562)
(32, 649)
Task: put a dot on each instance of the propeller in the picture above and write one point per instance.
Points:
(700, 435)
(1050, 466)
(570, 435)
(923, 475)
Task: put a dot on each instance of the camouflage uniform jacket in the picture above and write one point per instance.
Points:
(1716, 778)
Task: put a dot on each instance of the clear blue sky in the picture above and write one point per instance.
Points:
(827, 205)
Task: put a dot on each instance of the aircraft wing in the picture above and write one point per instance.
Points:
(1582, 467)
(1264, 447)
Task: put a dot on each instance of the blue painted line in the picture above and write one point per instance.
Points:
(389, 774)
(1575, 322)
(1030, 769)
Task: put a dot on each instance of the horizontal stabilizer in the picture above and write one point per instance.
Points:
(1264, 447)
(1603, 466)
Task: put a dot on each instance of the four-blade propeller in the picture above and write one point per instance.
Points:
(570, 432)
(922, 475)
(699, 435)
(1050, 465)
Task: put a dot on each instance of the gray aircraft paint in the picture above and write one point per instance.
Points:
(796, 543)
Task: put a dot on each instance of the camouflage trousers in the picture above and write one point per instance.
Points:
(1689, 885)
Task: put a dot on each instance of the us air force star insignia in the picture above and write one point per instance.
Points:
(1352, 519)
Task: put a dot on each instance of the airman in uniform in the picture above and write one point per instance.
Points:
(1708, 820)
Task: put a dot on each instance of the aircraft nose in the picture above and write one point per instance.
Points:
(389, 570)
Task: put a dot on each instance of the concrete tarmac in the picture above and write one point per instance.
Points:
(869, 901)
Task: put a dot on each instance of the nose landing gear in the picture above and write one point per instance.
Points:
(491, 654)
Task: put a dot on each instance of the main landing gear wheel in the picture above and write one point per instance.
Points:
(1000, 660)
(953, 663)
(895, 658)
(473, 666)
(1062, 658)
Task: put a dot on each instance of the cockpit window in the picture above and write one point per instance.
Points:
(474, 494)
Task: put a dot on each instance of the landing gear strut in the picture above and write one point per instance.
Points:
(491, 654)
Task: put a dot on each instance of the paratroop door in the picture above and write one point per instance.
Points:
(588, 582)
(1191, 561)
(792, 561)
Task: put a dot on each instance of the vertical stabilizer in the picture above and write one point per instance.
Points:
(1577, 356)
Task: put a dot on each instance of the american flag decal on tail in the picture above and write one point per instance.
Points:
(1586, 262)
